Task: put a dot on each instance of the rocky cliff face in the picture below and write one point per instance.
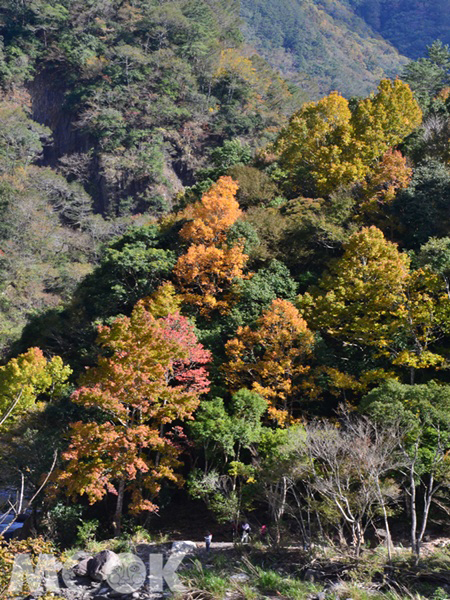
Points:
(74, 150)
(48, 105)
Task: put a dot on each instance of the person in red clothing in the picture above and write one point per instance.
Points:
(263, 534)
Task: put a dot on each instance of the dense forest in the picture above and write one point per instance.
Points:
(222, 293)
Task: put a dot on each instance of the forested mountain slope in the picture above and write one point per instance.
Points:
(326, 41)
(344, 44)
(410, 25)
(137, 89)
(106, 110)
(209, 283)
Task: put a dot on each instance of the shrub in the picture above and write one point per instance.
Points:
(8, 552)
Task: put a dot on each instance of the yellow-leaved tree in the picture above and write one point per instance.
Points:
(327, 145)
(370, 299)
(24, 379)
(383, 120)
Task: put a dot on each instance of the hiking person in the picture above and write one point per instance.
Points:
(208, 540)
(245, 532)
(263, 533)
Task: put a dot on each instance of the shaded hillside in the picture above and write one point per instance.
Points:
(410, 25)
(325, 40)
(344, 44)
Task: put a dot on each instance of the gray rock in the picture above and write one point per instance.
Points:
(114, 594)
(310, 575)
(240, 577)
(82, 568)
(381, 533)
(183, 547)
(103, 564)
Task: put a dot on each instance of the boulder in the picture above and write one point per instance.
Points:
(103, 564)
(184, 547)
(83, 567)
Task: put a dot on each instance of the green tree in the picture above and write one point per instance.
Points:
(227, 435)
(429, 75)
(131, 268)
(21, 139)
(277, 458)
(423, 411)
(422, 208)
(255, 186)
(436, 255)
(257, 293)
(49, 240)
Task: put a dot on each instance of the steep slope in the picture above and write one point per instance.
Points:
(136, 93)
(323, 39)
(410, 25)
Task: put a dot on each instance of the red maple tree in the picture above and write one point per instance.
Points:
(151, 376)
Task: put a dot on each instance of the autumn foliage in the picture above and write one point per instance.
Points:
(23, 380)
(333, 146)
(389, 175)
(213, 215)
(360, 295)
(370, 298)
(209, 267)
(272, 359)
(153, 374)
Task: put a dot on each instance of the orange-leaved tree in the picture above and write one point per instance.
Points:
(272, 359)
(213, 215)
(151, 376)
(206, 272)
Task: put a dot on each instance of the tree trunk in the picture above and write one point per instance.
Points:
(414, 547)
(359, 538)
(280, 507)
(117, 523)
(386, 521)
(428, 496)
